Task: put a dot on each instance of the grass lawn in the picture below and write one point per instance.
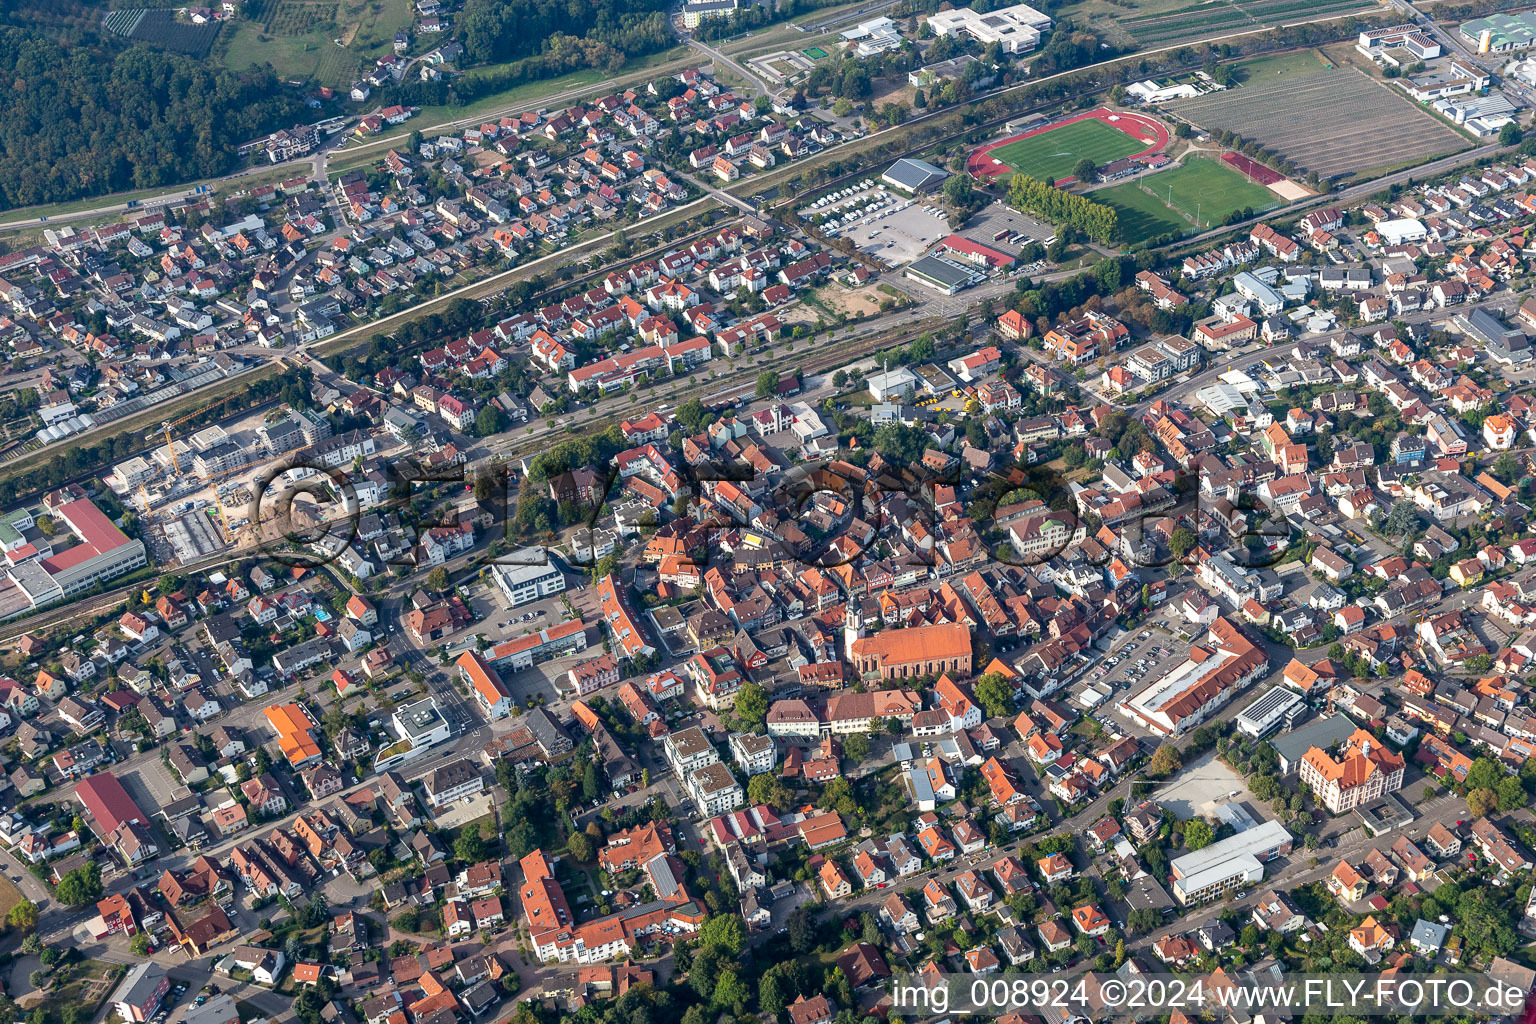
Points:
(1142, 216)
(1209, 188)
(1051, 155)
(1292, 62)
(1200, 186)
(9, 896)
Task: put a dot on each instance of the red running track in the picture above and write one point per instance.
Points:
(983, 168)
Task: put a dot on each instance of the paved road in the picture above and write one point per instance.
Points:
(759, 86)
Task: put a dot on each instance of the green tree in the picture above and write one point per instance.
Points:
(856, 747)
(1481, 802)
(23, 916)
(775, 991)
(437, 579)
(139, 945)
(767, 788)
(1403, 517)
(730, 992)
(1511, 793)
(490, 420)
(767, 382)
(1085, 170)
(1181, 541)
(582, 847)
(1198, 834)
(80, 886)
(470, 846)
(751, 709)
(724, 931)
(958, 192)
(1096, 220)
(995, 693)
(802, 932)
(1165, 761)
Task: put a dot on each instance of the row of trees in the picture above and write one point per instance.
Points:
(1099, 222)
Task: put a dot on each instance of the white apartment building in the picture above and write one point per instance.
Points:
(688, 750)
(715, 790)
(755, 754)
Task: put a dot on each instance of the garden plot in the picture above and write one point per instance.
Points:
(1334, 122)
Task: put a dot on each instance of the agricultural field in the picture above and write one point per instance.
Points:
(1200, 193)
(1157, 23)
(1337, 122)
(326, 41)
(1050, 155)
(160, 27)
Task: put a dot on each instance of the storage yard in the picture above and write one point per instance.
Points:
(1335, 122)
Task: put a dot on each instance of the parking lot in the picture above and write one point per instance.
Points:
(461, 812)
(1007, 230)
(157, 786)
(1140, 656)
(902, 235)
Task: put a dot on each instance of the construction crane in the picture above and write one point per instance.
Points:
(170, 425)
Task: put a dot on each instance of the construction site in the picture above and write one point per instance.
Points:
(194, 494)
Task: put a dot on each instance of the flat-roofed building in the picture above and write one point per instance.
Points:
(422, 723)
(527, 575)
(1279, 706)
(1015, 29)
(1228, 864)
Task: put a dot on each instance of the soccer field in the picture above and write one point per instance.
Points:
(1209, 190)
(1050, 156)
(1142, 216)
(1171, 200)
